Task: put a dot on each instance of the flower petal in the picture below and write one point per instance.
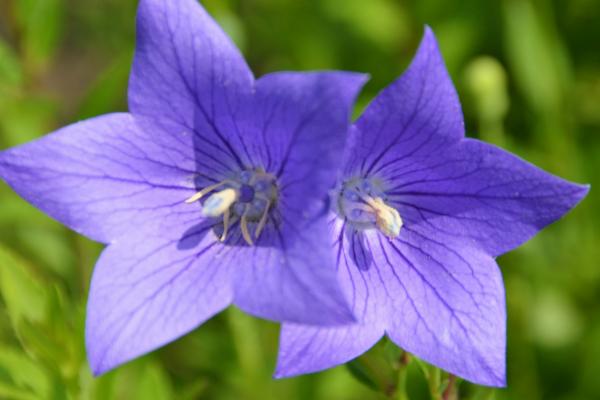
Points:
(102, 176)
(149, 289)
(446, 305)
(291, 278)
(298, 128)
(304, 349)
(188, 71)
(480, 193)
(417, 114)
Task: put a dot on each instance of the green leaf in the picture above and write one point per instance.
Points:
(25, 373)
(537, 56)
(48, 246)
(194, 390)
(23, 294)
(360, 371)
(382, 22)
(377, 368)
(423, 366)
(109, 91)
(42, 23)
(9, 392)
(11, 74)
(22, 120)
(143, 379)
(153, 384)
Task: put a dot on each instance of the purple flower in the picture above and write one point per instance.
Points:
(419, 215)
(212, 191)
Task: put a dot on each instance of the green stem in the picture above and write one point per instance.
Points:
(247, 343)
(449, 392)
(435, 378)
(401, 393)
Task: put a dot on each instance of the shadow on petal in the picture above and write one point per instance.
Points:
(194, 235)
(359, 251)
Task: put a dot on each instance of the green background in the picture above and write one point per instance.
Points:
(528, 74)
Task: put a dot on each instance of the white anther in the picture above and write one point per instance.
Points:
(387, 218)
(219, 202)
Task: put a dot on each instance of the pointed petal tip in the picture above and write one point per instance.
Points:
(283, 370)
(579, 193)
(584, 190)
(497, 381)
(279, 373)
(354, 80)
(487, 375)
(97, 366)
(361, 81)
(97, 371)
(362, 77)
(428, 35)
(357, 79)
(101, 368)
(501, 383)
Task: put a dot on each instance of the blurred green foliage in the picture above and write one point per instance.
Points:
(528, 73)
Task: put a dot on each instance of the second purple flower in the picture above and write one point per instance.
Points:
(418, 217)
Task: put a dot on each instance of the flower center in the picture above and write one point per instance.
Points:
(247, 197)
(362, 203)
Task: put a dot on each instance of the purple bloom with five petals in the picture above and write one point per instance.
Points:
(418, 217)
(211, 191)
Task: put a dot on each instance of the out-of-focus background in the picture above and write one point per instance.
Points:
(528, 74)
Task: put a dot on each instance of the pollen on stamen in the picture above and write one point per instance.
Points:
(361, 203)
(218, 203)
(387, 218)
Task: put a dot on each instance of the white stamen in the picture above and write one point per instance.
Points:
(263, 220)
(244, 228)
(225, 225)
(388, 219)
(219, 202)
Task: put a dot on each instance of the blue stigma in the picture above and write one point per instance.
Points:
(255, 190)
(246, 193)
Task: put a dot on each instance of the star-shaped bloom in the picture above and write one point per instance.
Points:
(211, 191)
(419, 215)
